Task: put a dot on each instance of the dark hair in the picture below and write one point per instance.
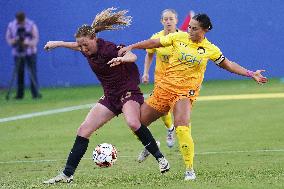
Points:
(106, 20)
(20, 16)
(204, 21)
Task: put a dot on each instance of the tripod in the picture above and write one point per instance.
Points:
(14, 76)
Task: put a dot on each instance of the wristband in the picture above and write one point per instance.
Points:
(249, 73)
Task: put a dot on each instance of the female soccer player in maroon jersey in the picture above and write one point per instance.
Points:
(120, 85)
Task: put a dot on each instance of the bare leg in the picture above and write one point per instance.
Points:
(131, 111)
(182, 111)
(149, 114)
(95, 119)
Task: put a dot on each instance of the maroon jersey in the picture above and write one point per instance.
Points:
(115, 80)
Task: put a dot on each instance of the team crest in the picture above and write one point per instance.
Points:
(191, 92)
(200, 50)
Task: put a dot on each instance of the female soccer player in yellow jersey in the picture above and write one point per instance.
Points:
(183, 78)
(169, 21)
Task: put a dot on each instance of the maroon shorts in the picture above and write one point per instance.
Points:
(115, 103)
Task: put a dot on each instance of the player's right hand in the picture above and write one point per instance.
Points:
(145, 78)
(51, 45)
(115, 61)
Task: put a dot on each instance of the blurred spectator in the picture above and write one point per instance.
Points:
(22, 35)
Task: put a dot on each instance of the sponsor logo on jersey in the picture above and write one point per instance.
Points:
(201, 50)
(189, 59)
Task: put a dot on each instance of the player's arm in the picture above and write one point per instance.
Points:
(237, 69)
(147, 44)
(127, 57)
(55, 44)
(147, 65)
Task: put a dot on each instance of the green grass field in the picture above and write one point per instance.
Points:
(239, 143)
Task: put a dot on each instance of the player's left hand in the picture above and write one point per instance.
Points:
(145, 78)
(115, 61)
(258, 77)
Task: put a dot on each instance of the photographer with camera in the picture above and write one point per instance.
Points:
(22, 35)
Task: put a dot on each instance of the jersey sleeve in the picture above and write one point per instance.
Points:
(168, 39)
(217, 57)
(151, 51)
(171, 38)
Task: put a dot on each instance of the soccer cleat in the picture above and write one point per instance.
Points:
(170, 137)
(190, 175)
(145, 153)
(163, 165)
(59, 178)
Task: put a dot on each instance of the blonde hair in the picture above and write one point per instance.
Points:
(106, 20)
(169, 10)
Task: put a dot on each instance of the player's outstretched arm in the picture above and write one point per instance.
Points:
(147, 44)
(127, 57)
(237, 69)
(54, 44)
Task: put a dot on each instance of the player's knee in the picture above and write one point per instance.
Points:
(85, 130)
(134, 124)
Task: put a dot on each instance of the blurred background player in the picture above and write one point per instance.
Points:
(120, 85)
(169, 20)
(183, 78)
(22, 35)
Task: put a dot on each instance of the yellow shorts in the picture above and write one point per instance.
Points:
(163, 101)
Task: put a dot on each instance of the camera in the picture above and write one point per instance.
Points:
(22, 34)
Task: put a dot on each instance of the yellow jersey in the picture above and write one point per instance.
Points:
(187, 63)
(162, 57)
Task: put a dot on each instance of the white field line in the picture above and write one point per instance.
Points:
(201, 153)
(241, 97)
(48, 112)
(201, 98)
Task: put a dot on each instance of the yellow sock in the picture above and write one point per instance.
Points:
(167, 119)
(186, 145)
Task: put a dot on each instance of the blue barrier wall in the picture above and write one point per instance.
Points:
(249, 32)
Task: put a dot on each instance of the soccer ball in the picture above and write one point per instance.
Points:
(104, 155)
